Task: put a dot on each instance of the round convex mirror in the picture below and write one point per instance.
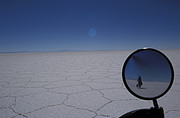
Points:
(148, 74)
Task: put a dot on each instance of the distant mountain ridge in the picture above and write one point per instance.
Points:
(53, 51)
(69, 50)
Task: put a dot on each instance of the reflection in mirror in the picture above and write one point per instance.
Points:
(148, 73)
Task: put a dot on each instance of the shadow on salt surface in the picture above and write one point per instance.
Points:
(148, 89)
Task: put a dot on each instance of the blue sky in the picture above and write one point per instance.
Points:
(49, 25)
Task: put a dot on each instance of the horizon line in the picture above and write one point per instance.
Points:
(75, 50)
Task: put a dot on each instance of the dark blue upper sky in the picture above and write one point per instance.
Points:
(50, 25)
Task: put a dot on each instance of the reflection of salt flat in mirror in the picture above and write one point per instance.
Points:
(148, 89)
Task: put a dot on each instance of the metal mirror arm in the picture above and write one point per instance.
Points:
(153, 112)
(155, 103)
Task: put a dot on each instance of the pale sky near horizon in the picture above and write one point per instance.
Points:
(51, 25)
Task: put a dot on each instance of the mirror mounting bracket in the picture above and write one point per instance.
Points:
(145, 113)
(155, 103)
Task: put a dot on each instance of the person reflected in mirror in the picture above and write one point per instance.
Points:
(139, 82)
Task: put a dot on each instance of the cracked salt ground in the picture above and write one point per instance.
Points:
(74, 85)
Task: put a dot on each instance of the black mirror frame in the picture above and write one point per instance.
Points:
(124, 79)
